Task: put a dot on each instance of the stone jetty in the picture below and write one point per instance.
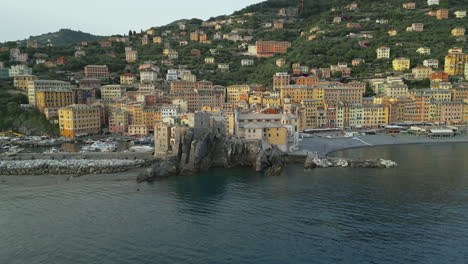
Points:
(72, 166)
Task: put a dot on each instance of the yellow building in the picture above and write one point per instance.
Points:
(458, 32)
(138, 130)
(465, 111)
(424, 50)
(256, 98)
(235, 92)
(157, 40)
(298, 93)
(230, 122)
(22, 82)
(308, 116)
(76, 120)
(422, 72)
(271, 100)
(127, 78)
(401, 64)
(438, 95)
(392, 32)
(53, 99)
(455, 63)
(275, 134)
(375, 115)
(112, 92)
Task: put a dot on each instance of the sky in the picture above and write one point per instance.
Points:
(23, 18)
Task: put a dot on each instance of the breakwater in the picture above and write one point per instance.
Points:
(71, 166)
(82, 155)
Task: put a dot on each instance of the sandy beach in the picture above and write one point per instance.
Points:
(325, 146)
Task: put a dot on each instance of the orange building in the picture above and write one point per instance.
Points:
(270, 48)
(61, 61)
(451, 113)
(281, 79)
(76, 120)
(459, 94)
(439, 77)
(442, 13)
(310, 80)
(53, 98)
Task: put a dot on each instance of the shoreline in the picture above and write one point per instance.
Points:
(326, 146)
(397, 144)
(321, 145)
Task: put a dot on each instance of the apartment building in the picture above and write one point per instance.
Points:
(112, 92)
(44, 85)
(96, 71)
(77, 120)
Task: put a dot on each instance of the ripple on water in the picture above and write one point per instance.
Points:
(415, 213)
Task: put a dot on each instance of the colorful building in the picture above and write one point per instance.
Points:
(77, 120)
(401, 64)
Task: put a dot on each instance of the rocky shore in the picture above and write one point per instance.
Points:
(314, 160)
(69, 167)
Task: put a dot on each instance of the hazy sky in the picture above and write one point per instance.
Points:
(20, 19)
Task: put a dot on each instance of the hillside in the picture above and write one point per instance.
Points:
(27, 121)
(317, 40)
(332, 43)
(64, 37)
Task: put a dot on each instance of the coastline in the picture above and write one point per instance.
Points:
(325, 146)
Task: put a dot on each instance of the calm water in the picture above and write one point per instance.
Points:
(417, 213)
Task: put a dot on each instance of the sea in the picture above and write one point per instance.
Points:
(415, 213)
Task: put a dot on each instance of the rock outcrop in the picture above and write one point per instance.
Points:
(196, 153)
(314, 160)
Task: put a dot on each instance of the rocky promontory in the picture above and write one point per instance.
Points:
(75, 167)
(194, 153)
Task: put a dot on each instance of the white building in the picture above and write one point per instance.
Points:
(209, 60)
(148, 75)
(247, 62)
(432, 63)
(19, 70)
(383, 53)
(466, 71)
(44, 85)
(223, 67)
(172, 75)
(168, 110)
(432, 2)
(113, 92)
(131, 55)
(460, 14)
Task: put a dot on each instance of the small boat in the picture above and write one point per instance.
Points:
(54, 150)
(141, 149)
(100, 146)
(13, 151)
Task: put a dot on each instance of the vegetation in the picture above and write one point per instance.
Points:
(332, 45)
(64, 37)
(27, 121)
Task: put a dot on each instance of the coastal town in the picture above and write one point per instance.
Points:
(157, 99)
(234, 131)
